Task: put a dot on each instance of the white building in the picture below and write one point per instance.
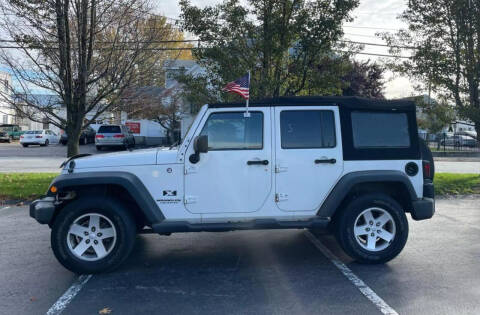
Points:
(7, 113)
(173, 87)
(42, 120)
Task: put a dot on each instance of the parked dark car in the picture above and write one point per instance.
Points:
(87, 136)
(4, 136)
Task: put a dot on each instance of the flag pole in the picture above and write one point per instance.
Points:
(247, 114)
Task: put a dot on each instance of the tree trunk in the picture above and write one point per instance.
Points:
(72, 145)
(74, 128)
(477, 129)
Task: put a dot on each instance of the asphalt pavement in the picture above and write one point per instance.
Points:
(15, 158)
(251, 272)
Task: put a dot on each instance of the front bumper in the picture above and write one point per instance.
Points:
(43, 209)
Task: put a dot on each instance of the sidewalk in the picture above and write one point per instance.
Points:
(456, 166)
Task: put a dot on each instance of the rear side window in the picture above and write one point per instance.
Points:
(233, 131)
(380, 130)
(109, 129)
(33, 132)
(307, 129)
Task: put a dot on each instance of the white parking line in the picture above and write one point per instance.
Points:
(365, 289)
(68, 296)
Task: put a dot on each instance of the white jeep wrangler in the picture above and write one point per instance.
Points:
(352, 164)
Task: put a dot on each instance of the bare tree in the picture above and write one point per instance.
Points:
(86, 52)
(165, 106)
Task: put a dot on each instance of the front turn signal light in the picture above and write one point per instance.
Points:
(53, 189)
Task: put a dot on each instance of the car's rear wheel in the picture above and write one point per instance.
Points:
(99, 148)
(372, 229)
(24, 145)
(92, 235)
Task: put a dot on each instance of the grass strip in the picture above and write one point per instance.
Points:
(28, 186)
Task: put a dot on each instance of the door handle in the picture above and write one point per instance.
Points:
(325, 161)
(260, 162)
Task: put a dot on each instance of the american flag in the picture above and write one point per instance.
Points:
(240, 86)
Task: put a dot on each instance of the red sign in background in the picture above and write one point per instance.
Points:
(133, 126)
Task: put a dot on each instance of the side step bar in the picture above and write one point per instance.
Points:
(258, 224)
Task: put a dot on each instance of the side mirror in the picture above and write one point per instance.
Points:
(200, 145)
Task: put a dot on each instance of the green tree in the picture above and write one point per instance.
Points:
(281, 42)
(443, 37)
(365, 79)
(434, 116)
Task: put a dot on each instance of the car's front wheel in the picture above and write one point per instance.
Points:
(372, 229)
(92, 235)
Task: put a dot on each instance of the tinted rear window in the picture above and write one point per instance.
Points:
(31, 132)
(109, 129)
(380, 130)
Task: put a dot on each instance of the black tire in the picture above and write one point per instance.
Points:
(99, 148)
(427, 155)
(120, 217)
(25, 145)
(346, 222)
(83, 141)
(45, 144)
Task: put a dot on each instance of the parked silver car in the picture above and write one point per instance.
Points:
(114, 135)
(459, 141)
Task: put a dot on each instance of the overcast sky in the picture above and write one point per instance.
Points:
(370, 17)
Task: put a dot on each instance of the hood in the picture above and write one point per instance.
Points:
(126, 158)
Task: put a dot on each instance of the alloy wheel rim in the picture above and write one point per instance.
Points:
(91, 237)
(374, 229)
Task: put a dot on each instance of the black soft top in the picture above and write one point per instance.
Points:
(351, 102)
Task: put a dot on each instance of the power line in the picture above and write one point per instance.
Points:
(190, 48)
(372, 28)
(375, 44)
(118, 42)
(361, 35)
(114, 48)
(205, 41)
(372, 54)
